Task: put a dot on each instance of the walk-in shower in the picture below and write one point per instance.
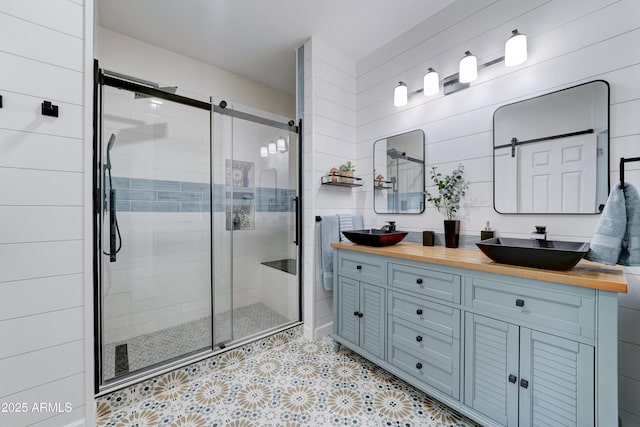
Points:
(196, 232)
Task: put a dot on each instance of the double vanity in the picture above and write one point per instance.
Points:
(502, 344)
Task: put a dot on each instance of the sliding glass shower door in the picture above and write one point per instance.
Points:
(156, 231)
(196, 228)
(256, 224)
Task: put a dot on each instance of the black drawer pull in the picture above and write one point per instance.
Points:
(355, 313)
(419, 338)
(512, 379)
(524, 383)
(520, 302)
(419, 312)
(358, 267)
(419, 281)
(418, 365)
(360, 314)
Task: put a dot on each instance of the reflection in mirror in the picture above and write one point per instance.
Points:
(398, 173)
(551, 153)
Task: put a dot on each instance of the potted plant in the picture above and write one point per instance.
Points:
(346, 171)
(451, 188)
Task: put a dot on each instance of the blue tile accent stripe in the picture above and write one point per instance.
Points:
(149, 195)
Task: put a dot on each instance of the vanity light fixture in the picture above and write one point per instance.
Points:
(431, 85)
(468, 68)
(272, 148)
(400, 95)
(515, 49)
(515, 54)
(263, 151)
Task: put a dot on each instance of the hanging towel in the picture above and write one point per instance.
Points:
(349, 222)
(329, 232)
(630, 254)
(606, 245)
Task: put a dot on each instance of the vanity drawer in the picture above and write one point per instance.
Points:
(365, 268)
(572, 311)
(432, 283)
(426, 314)
(434, 360)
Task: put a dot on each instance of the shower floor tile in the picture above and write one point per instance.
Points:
(156, 347)
(293, 383)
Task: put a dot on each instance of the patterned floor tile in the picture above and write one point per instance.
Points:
(294, 383)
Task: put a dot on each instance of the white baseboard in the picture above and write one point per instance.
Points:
(324, 330)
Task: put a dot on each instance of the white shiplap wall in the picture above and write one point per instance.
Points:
(43, 305)
(329, 140)
(570, 42)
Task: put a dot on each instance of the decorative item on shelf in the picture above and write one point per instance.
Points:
(379, 181)
(428, 238)
(334, 174)
(346, 172)
(451, 188)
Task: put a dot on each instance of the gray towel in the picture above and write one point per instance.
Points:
(329, 232)
(607, 240)
(630, 254)
(349, 222)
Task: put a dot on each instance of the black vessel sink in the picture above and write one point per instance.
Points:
(548, 254)
(373, 237)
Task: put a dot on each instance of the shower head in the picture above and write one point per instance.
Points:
(168, 89)
(112, 140)
(395, 154)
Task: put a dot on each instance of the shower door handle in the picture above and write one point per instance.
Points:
(112, 225)
(297, 215)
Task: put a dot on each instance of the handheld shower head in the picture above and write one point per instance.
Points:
(112, 140)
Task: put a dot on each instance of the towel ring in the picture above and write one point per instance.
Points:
(622, 162)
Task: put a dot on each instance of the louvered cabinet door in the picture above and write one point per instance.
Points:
(491, 368)
(559, 380)
(348, 309)
(372, 324)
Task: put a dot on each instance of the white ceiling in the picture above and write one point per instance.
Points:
(257, 38)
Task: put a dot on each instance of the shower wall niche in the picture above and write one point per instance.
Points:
(196, 230)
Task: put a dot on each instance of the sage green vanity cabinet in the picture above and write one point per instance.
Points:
(501, 349)
(520, 377)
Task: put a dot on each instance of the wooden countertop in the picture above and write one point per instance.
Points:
(586, 274)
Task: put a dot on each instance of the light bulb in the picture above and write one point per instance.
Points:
(263, 151)
(468, 68)
(515, 49)
(272, 148)
(281, 144)
(431, 82)
(400, 95)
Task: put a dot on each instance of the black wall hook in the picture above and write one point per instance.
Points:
(0, 101)
(48, 109)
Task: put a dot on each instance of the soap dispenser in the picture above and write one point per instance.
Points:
(487, 233)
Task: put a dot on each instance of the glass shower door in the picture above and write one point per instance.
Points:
(256, 169)
(156, 232)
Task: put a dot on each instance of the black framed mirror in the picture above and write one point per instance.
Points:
(551, 152)
(398, 173)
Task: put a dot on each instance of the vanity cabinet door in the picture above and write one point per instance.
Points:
(361, 315)
(560, 381)
(518, 376)
(491, 368)
(348, 322)
(372, 308)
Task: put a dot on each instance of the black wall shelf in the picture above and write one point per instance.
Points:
(340, 181)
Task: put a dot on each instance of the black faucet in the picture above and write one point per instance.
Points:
(391, 226)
